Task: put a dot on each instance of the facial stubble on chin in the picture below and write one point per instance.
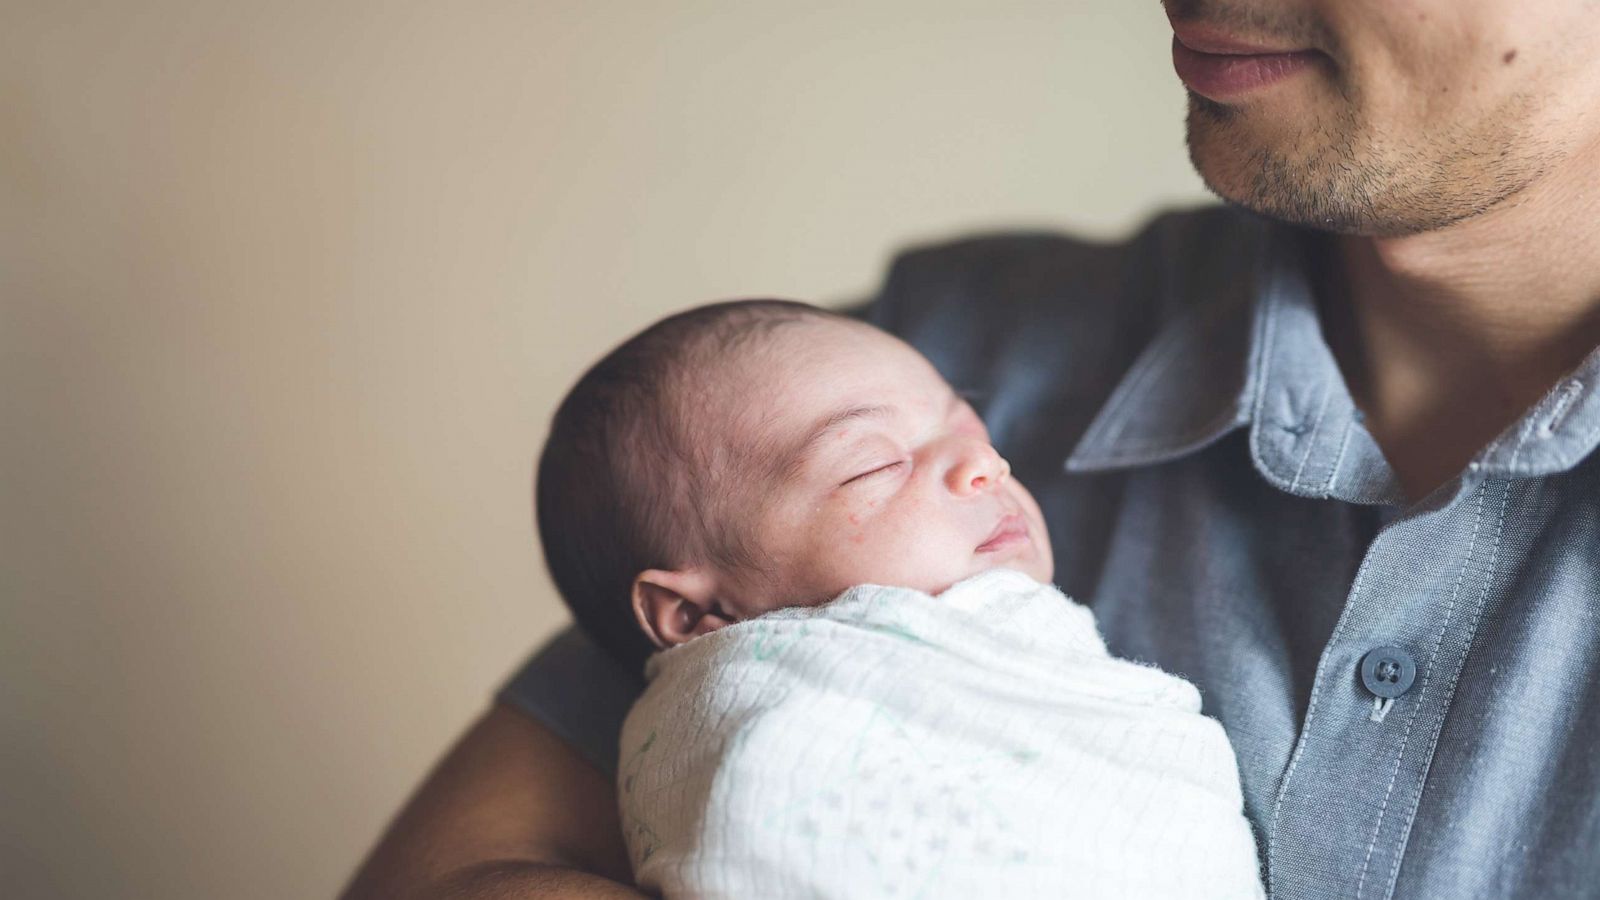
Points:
(1307, 180)
(1333, 176)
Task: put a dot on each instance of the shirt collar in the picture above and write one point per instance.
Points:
(1556, 434)
(1245, 348)
(1192, 383)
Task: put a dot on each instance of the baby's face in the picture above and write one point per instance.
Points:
(868, 468)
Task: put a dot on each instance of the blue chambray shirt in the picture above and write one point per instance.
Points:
(1212, 493)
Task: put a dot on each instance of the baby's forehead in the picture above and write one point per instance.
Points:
(778, 438)
(773, 392)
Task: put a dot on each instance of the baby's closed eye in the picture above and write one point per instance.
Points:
(882, 469)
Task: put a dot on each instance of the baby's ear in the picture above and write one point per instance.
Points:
(674, 606)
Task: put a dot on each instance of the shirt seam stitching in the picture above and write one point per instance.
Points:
(1526, 431)
(1455, 678)
(1338, 460)
(1311, 441)
(1267, 328)
(1416, 705)
(1311, 713)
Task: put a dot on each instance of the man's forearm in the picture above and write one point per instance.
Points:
(511, 812)
(518, 880)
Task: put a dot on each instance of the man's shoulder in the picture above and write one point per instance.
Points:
(1017, 270)
(1046, 323)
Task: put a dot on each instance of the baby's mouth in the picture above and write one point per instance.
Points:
(1012, 529)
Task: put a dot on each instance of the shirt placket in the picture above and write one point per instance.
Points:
(1383, 688)
(1388, 674)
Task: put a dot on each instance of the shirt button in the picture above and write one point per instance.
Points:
(1388, 672)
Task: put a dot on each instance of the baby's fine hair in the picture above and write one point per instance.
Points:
(622, 484)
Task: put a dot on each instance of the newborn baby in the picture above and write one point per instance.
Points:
(864, 684)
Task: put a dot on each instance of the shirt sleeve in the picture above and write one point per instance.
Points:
(578, 691)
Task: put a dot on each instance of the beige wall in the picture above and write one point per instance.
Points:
(289, 290)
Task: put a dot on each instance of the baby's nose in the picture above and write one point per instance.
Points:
(978, 468)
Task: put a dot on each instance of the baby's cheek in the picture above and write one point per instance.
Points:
(856, 533)
(859, 516)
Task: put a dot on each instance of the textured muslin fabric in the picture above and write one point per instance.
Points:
(893, 744)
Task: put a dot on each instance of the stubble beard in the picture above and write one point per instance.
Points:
(1342, 175)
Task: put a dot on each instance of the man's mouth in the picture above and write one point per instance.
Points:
(1222, 67)
(1012, 530)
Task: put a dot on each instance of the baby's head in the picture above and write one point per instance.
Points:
(745, 456)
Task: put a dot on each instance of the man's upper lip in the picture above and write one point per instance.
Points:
(1207, 39)
(1010, 523)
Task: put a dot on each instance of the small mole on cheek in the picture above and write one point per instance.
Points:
(1510, 55)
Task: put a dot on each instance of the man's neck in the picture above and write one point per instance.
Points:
(1447, 337)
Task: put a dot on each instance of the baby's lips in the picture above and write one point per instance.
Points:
(1011, 529)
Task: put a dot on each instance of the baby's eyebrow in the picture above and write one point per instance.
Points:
(801, 451)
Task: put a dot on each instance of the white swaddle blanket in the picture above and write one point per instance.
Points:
(892, 744)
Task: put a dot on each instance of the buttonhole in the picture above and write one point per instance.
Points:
(1559, 409)
(1295, 428)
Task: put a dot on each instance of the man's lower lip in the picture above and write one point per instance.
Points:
(1221, 77)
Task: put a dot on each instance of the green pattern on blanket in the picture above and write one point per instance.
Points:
(958, 822)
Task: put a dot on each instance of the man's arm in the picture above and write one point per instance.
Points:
(514, 811)
(511, 812)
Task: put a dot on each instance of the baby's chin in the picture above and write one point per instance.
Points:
(1041, 574)
(1038, 569)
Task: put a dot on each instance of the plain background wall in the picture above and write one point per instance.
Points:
(290, 288)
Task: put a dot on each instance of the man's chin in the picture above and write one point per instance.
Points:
(1289, 168)
(1255, 177)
